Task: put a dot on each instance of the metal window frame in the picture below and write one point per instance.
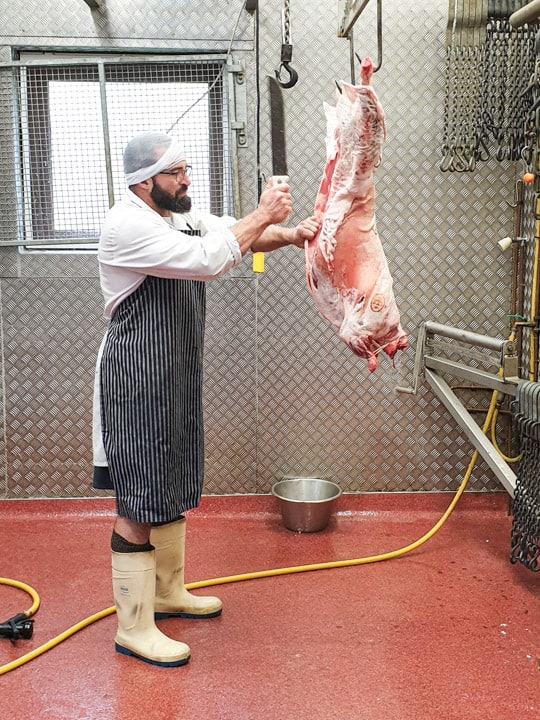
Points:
(106, 65)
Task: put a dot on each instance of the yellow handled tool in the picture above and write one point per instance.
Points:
(258, 262)
(279, 151)
(258, 257)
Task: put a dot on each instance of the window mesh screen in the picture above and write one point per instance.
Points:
(70, 124)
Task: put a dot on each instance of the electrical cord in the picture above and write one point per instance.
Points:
(216, 79)
(254, 575)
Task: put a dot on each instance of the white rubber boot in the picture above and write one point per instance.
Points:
(172, 598)
(134, 582)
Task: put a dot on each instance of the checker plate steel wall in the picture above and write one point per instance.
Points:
(283, 395)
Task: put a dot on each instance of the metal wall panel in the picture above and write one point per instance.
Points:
(117, 23)
(50, 338)
(283, 395)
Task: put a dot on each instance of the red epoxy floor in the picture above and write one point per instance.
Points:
(449, 631)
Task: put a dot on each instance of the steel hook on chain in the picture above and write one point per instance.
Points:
(293, 75)
(286, 50)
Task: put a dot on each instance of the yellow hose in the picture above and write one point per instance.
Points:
(256, 575)
(534, 289)
(27, 589)
(494, 442)
(55, 641)
(493, 423)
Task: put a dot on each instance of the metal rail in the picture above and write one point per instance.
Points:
(465, 336)
(527, 15)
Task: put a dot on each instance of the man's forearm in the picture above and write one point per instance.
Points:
(274, 237)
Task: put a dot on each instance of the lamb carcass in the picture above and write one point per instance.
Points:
(347, 271)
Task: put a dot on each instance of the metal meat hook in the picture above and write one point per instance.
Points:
(379, 39)
(293, 75)
(375, 67)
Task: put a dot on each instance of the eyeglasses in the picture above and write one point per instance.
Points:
(178, 174)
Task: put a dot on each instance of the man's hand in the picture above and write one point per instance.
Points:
(275, 236)
(274, 207)
(276, 202)
(306, 230)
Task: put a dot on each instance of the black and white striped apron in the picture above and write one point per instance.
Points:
(151, 404)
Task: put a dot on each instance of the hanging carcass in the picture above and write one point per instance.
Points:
(347, 271)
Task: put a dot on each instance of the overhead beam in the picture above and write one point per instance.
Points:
(349, 12)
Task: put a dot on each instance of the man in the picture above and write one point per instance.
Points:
(155, 252)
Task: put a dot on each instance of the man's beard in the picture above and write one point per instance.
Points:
(167, 201)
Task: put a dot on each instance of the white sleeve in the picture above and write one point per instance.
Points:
(140, 240)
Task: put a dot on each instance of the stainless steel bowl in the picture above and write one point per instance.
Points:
(306, 504)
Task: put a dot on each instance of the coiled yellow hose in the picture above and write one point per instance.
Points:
(253, 575)
(27, 589)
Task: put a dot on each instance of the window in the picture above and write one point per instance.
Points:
(74, 117)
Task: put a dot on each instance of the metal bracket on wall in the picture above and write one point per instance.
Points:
(238, 103)
(472, 430)
(430, 361)
(236, 79)
(430, 354)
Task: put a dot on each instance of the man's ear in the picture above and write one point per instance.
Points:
(143, 189)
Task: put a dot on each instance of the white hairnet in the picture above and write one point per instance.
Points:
(148, 154)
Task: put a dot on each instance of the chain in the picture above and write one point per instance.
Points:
(487, 93)
(286, 49)
(462, 108)
(520, 58)
(488, 99)
(446, 111)
(287, 23)
(525, 534)
(495, 76)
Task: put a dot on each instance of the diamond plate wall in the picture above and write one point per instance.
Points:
(322, 412)
(50, 336)
(137, 23)
(283, 395)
